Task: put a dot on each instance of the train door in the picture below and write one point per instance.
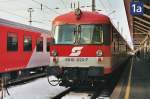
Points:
(48, 43)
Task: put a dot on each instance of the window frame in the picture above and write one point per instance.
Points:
(16, 36)
(48, 40)
(28, 36)
(39, 50)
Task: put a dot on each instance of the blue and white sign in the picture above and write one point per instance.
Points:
(136, 8)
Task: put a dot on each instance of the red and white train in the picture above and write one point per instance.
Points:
(22, 48)
(86, 49)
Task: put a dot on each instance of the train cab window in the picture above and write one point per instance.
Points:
(91, 34)
(48, 44)
(39, 44)
(12, 42)
(65, 34)
(27, 43)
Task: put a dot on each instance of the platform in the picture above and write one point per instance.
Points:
(140, 80)
(135, 81)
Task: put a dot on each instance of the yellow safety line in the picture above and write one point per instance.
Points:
(128, 88)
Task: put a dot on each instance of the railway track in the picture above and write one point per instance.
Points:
(101, 91)
(21, 80)
(98, 93)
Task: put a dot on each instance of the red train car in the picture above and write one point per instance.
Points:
(86, 50)
(22, 47)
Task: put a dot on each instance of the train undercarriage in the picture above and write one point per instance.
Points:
(81, 77)
(14, 76)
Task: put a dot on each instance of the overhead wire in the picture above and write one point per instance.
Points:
(52, 10)
(5, 1)
(44, 18)
(109, 7)
(25, 18)
(13, 14)
(35, 21)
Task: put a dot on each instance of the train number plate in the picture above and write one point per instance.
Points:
(76, 59)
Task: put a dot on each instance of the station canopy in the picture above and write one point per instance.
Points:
(118, 17)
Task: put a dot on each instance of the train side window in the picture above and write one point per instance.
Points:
(114, 47)
(112, 34)
(39, 44)
(98, 34)
(107, 35)
(27, 43)
(48, 44)
(12, 42)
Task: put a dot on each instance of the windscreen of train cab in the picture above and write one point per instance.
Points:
(85, 33)
(91, 34)
(64, 34)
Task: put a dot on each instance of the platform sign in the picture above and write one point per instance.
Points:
(136, 8)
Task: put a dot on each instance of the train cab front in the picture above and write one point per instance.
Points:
(80, 55)
(82, 48)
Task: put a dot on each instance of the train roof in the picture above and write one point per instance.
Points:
(86, 17)
(22, 26)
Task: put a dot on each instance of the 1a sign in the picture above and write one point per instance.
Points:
(136, 8)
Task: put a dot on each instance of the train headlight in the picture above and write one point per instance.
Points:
(54, 53)
(99, 53)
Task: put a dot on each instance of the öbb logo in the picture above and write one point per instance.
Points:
(76, 51)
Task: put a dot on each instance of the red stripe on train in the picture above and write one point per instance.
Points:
(86, 51)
